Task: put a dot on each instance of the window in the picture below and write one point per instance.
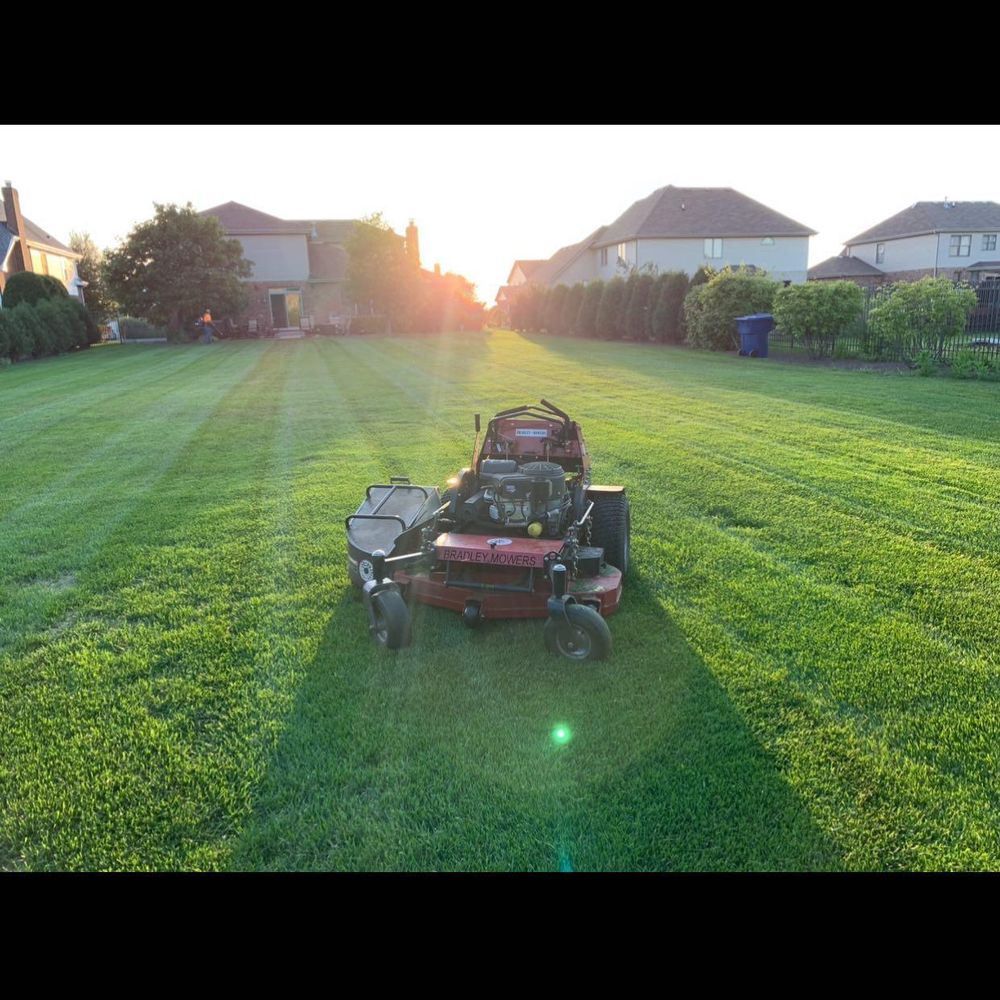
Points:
(621, 253)
(960, 246)
(989, 241)
(767, 241)
(879, 253)
(713, 248)
(604, 256)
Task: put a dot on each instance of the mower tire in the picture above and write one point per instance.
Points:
(582, 637)
(611, 526)
(389, 619)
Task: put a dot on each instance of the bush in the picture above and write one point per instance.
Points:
(571, 309)
(710, 310)
(638, 309)
(586, 318)
(922, 315)
(132, 328)
(667, 312)
(4, 336)
(609, 311)
(366, 325)
(964, 365)
(28, 288)
(23, 330)
(926, 365)
(57, 335)
(526, 308)
(816, 313)
(703, 275)
(554, 302)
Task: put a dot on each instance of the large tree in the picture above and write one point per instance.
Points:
(174, 266)
(381, 276)
(90, 268)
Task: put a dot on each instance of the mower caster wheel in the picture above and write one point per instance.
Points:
(472, 614)
(583, 635)
(389, 620)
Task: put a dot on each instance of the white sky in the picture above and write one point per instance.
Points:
(483, 196)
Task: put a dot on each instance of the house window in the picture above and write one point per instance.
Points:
(621, 254)
(604, 256)
(713, 248)
(879, 253)
(767, 241)
(960, 246)
(989, 241)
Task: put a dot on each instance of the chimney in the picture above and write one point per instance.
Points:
(413, 244)
(20, 257)
(437, 270)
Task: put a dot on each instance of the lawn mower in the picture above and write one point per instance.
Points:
(523, 533)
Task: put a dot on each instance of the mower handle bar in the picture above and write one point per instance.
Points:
(374, 517)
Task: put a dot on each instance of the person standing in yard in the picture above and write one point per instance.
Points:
(207, 327)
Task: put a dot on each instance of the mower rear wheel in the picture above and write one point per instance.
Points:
(389, 620)
(582, 637)
(611, 526)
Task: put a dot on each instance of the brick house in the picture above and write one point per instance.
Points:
(299, 267)
(26, 246)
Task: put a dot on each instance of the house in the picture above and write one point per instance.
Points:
(951, 239)
(26, 246)
(299, 267)
(683, 229)
(845, 268)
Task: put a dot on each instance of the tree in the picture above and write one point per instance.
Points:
(710, 310)
(609, 310)
(668, 311)
(817, 312)
(174, 266)
(90, 268)
(638, 309)
(381, 276)
(571, 309)
(586, 318)
(552, 317)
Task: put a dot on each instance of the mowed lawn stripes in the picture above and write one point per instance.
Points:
(804, 674)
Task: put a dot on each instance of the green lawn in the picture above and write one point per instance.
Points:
(805, 665)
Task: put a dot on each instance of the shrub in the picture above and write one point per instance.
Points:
(923, 315)
(571, 309)
(132, 328)
(964, 365)
(365, 325)
(554, 302)
(609, 311)
(23, 330)
(703, 275)
(526, 308)
(926, 365)
(638, 309)
(28, 288)
(667, 312)
(4, 336)
(989, 369)
(816, 313)
(57, 333)
(711, 317)
(586, 318)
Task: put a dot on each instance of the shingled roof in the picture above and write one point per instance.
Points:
(550, 269)
(528, 268)
(672, 212)
(844, 267)
(241, 220)
(38, 235)
(926, 217)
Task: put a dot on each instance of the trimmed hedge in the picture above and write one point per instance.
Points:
(54, 326)
(28, 288)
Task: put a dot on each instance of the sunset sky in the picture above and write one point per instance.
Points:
(485, 195)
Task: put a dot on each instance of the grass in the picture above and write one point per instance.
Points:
(805, 665)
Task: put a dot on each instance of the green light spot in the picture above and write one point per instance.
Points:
(561, 735)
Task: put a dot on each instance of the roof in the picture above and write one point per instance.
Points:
(331, 230)
(7, 240)
(240, 220)
(844, 267)
(36, 234)
(528, 267)
(671, 212)
(550, 269)
(984, 265)
(926, 217)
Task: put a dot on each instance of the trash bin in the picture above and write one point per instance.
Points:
(753, 331)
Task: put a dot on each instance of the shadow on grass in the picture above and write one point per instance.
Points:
(443, 757)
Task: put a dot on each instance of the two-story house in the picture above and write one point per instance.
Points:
(26, 246)
(299, 267)
(683, 229)
(950, 239)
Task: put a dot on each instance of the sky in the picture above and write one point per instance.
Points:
(483, 196)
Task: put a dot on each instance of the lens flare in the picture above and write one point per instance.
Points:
(561, 735)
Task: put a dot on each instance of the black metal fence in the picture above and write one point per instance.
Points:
(981, 338)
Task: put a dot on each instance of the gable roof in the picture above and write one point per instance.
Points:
(550, 269)
(36, 235)
(671, 212)
(925, 217)
(844, 267)
(528, 267)
(241, 220)
(330, 230)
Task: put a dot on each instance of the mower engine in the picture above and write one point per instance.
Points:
(532, 496)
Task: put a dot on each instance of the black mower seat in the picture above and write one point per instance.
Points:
(387, 512)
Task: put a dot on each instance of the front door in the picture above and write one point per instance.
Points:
(293, 308)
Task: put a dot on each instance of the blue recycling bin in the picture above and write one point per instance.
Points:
(753, 331)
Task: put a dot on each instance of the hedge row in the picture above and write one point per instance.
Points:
(53, 326)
